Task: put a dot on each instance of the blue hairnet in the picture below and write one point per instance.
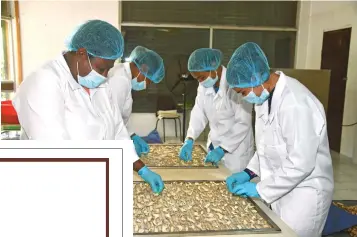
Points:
(248, 67)
(205, 59)
(99, 38)
(149, 63)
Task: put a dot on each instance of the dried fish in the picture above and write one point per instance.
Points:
(174, 211)
(190, 220)
(217, 210)
(168, 156)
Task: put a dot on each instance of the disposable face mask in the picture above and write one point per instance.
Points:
(92, 80)
(138, 86)
(254, 99)
(209, 82)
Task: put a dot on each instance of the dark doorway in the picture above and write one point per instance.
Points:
(335, 52)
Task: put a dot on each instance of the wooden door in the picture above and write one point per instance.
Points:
(335, 52)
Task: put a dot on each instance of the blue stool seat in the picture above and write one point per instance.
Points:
(153, 137)
(338, 220)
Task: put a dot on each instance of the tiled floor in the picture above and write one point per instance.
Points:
(345, 174)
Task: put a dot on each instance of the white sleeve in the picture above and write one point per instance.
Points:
(123, 101)
(127, 116)
(40, 107)
(122, 134)
(301, 131)
(198, 119)
(235, 125)
(118, 84)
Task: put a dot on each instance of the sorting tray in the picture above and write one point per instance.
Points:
(167, 156)
(196, 208)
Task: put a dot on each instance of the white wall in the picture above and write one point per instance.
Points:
(45, 25)
(143, 123)
(326, 16)
(303, 23)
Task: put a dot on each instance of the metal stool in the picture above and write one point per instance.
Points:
(160, 117)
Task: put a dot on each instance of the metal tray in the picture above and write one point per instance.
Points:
(275, 228)
(156, 166)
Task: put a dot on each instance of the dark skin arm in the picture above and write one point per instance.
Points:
(137, 165)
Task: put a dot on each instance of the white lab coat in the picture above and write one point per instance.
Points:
(119, 79)
(51, 105)
(293, 157)
(230, 122)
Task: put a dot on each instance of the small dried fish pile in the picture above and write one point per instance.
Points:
(168, 156)
(193, 206)
(353, 210)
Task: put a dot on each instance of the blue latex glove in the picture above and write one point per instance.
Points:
(215, 155)
(141, 146)
(247, 189)
(186, 150)
(235, 179)
(155, 181)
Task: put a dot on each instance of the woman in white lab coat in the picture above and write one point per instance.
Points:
(228, 116)
(68, 97)
(293, 157)
(143, 67)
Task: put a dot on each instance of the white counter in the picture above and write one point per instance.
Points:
(217, 174)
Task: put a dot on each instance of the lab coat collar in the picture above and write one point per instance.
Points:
(72, 82)
(263, 109)
(129, 76)
(127, 70)
(279, 88)
(74, 85)
(223, 85)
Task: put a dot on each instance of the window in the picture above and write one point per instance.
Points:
(279, 46)
(176, 28)
(10, 51)
(242, 13)
(175, 55)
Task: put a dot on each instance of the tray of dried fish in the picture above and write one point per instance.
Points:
(167, 156)
(196, 208)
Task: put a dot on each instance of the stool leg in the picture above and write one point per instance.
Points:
(157, 121)
(175, 128)
(163, 125)
(180, 127)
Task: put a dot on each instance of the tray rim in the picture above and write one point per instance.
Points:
(275, 228)
(182, 167)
